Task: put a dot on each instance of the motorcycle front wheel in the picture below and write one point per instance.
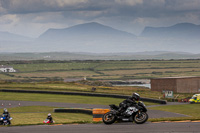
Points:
(109, 118)
(6, 123)
(140, 118)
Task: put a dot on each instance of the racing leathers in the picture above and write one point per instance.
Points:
(125, 104)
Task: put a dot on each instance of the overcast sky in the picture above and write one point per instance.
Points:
(33, 17)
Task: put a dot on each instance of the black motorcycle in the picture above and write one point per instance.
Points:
(5, 120)
(137, 113)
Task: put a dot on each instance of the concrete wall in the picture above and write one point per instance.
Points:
(163, 84)
(188, 85)
(177, 85)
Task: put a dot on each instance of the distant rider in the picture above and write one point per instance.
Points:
(6, 114)
(130, 101)
(49, 117)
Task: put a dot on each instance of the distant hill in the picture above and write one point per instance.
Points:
(85, 31)
(182, 30)
(6, 36)
(87, 37)
(179, 37)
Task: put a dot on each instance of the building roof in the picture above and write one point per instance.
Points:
(183, 77)
(3, 66)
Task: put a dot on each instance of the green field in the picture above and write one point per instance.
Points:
(100, 70)
(79, 87)
(34, 115)
(191, 110)
(61, 98)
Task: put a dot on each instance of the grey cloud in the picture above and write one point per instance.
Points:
(160, 8)
(122, 14)
(183, 5)
(130, 8)
(32, 6)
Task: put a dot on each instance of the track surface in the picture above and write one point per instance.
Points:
(151, 113)
(114, 128)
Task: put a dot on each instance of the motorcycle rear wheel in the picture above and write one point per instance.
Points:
(109, 118)
(141, 118)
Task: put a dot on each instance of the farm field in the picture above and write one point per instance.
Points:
(40, 70)
(79, 87)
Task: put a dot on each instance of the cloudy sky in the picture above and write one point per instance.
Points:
(33, 17)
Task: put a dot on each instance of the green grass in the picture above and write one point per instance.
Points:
(77, 87)
(3, 76)
(58, 98)
(61, 74)
(191, 110)
(34, 115)
(54, 66)
(30, 109)
(61, 98)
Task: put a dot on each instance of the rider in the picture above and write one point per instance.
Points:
(49, 117)
(6, 114)
(128, 102)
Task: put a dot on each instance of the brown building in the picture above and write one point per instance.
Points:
(176, 84)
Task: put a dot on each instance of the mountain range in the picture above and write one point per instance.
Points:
(182, 30)
(97, 38)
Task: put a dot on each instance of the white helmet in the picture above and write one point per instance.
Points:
(136, 96)
(49, 114)
(5, 110)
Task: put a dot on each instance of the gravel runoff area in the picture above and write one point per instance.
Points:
(151, 113)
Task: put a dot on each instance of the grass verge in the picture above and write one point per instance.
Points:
(192, 110)
(35, 115)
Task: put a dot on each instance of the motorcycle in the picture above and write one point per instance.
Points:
(4, 120)
(48, 121)
(138, 114)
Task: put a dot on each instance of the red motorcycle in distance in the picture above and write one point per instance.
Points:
(47, 121)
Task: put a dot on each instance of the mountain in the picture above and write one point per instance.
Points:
(179, 37)
(87, 37)
(10, 42)
(85, 30)
(6, 36)
(181, 30)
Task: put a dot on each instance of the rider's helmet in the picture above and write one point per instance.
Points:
(49, 114)
(135, 96)
(5, 110)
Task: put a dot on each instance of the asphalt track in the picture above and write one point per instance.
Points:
(151, 113)
(186, 127)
